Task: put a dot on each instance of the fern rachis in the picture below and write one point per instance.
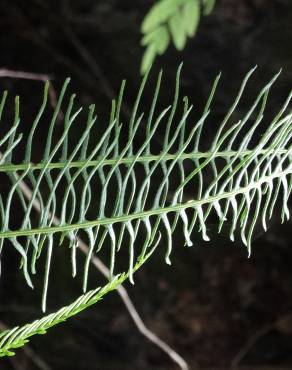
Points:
(73, 187)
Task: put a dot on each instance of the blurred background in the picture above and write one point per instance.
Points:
(213, 305)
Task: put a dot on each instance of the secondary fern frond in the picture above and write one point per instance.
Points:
(170, 20)
(119, 193)
(18, 336)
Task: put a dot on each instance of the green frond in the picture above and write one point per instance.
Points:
(117, 193)
(170, 20)
(208, 6)
(17, 337)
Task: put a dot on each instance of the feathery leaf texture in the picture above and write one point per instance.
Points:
(120, 195)
(17, 337)
(170, 20)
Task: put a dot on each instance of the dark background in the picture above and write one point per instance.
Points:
(212, 301)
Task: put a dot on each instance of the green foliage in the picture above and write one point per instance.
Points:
(121, 195)
(168, 20)
(17, 337)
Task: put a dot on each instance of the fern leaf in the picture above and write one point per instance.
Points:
(117, 193)
(160, 13)
(208, 6)
(191, 17)
(168, 20)
(177, 31)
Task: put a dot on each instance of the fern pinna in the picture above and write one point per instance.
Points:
(170, 20)
(120, 195)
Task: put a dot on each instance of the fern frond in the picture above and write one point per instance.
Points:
(170, 20)
(17, 337)
(120, 194)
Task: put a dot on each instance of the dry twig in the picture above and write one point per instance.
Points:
(33, 77)
(235, 363)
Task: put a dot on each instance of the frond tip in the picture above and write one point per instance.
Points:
(123, 195)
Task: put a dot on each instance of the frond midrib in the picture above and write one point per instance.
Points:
(129, 160)
(147, 213)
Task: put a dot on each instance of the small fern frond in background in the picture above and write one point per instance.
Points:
(118, 191)
(170, 20)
